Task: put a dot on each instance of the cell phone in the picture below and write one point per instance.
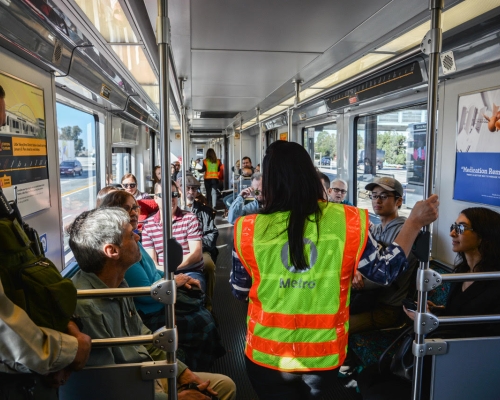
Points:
(410, 304)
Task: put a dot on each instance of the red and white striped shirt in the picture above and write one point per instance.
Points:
(185, 228)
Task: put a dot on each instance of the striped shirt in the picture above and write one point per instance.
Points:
(185, 228)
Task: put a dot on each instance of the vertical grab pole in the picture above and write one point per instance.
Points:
(257, 119)
(184, 140)
(163, 38)
(241, 147)
(431, 45)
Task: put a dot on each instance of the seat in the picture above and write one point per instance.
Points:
(107, 382)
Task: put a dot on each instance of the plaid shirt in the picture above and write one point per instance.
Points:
(185, 228)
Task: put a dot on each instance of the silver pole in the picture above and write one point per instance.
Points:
(241, 145)
(257, 120)
(289, 114)
(163, 37)
(432, 46)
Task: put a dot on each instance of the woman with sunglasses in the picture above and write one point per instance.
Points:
(129, 183)
(475, 237)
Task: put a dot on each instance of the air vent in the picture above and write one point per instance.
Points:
(57, 54)
(215, 114)
(448, 62)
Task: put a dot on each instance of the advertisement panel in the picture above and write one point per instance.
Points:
(23, 146)
(477, 171)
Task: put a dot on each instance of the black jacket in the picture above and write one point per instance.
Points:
(206, 216)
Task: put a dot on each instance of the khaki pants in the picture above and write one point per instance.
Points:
(209, 270)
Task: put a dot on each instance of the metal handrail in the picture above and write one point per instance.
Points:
(471, 276)
(118, 292)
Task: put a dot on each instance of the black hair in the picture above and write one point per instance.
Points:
(2, 92)
(247, 158)
(486, 224)
(291, 183)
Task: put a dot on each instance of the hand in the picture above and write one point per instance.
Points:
(84, 347)
(186, 280)
(189, 376)
(357, 281)
(194, 394)
(246, 192)
(58, 378)
(425, 211)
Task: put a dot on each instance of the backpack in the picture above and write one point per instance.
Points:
(32, 281)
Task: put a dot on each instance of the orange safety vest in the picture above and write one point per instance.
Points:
(299, 320)
(211, 169)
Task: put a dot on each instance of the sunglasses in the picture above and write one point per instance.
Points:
(129, 185)
(135, 208)
(382, 196)
(459, 228)
(337, 190)
(174, 195)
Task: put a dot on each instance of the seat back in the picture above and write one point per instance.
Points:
(122, 381)
(469, 370)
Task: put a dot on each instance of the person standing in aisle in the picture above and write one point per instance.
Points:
(211, 168)
(299, 255)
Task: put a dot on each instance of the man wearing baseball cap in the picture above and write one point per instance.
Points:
(381, 308)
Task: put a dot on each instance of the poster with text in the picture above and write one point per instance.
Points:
(23, 146)
(477, 172)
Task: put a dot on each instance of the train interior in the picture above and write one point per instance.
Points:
(348, 82)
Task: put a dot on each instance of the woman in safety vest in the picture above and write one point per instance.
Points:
(299, 255)
(211, 167)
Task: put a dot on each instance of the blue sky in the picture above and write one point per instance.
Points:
(68, 116)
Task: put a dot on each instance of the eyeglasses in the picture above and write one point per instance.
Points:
(459, 229)
(135, 208)
(382, 196)
(131, 185)
(174, 195)
(337, 190)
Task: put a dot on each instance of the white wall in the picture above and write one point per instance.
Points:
(43, 221)
(449, 209)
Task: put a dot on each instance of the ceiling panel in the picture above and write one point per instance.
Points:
(235, 104)
(284, 25)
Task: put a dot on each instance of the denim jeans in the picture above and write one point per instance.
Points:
(277, 385)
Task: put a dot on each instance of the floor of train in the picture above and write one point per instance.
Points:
(231, 316)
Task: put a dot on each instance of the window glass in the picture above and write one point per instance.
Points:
(77, 165)
(321, 143)
(393, 145)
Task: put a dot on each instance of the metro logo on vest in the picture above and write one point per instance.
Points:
(294, 284)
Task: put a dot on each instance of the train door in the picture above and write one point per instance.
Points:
(271, 136)
(392, 144)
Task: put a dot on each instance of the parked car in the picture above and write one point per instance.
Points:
(326, 160)
(71, 167)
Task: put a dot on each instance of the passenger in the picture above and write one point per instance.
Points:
(186, 229)
(239, 208)
(211, 168)
(376, 307)
(257, 168)
(325, 181)
(338, 191)
(474, 237)
(246, 163)
(105, 246)
(173, 172)
(103, 193)
(210, 233)
(233, 179)
(156, 175)
(199, 339)
(3, 113)
(298, 312)
(129, 183)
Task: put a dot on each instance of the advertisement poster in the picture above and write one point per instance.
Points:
(23, 146)
(477, 172)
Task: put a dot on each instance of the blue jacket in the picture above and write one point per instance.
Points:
(240, 209)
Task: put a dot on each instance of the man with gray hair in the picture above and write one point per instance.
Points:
(338, 191)
(105, 246)
(240, 207)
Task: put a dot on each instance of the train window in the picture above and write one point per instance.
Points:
(392, 144)
(77, 164)
(321, 143)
